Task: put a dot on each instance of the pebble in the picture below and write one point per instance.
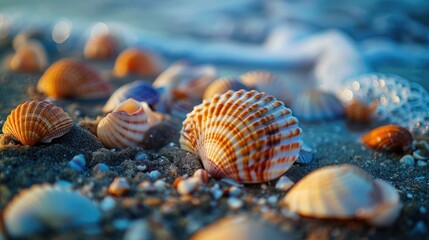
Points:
(119, 186)
(138, 230)
(284, 184)
(142, 156)
(409, 195)
(101, 167)
(78, 163)
(407, 160)
(234, 191)
(64, 184)
(272, 200)
(107, 204)
(235, 203)
(202, 175)
(121, 224)
(422, 163)
(217, 193)
(423, 210)
(188, 186)
(154, 175)
(142, 166)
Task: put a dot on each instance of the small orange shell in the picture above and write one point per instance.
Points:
(357, 111)
(29, 57)
(222, 85)
(138, 62)
(37, 121)
(71, 78)
(392, 138)
(101, 47)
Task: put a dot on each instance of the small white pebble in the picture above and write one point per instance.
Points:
(273, 199)
(235, 203)
(188, 186)
(107, 203)
(234, 191)
(141, 167)
(409, 195)
(154, 175)
(284, 184)
(217, 193)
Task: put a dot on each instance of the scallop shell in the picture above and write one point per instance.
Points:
(29, 57)
(127, 124)
(222, 85)
(72, 78)
(100, 47)
(249, 137)
(44, 207)
(265, 81)
(139, 90)
(37, 121)
(317, 105)
(133, 61)
(344, 192)
(184, 81)
(358, 111)
(388, 138)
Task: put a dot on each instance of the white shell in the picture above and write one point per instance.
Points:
(127, 124)
(245, 136)
(344, 192)
(44, 207)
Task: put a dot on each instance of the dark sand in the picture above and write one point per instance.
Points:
(171, 216)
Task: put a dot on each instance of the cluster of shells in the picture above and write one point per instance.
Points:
(240, 127)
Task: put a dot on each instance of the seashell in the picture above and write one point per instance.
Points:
(126, 125)
(68, 78)
(181, 107)
(133, 61)
(391, 137)
(184, 81)
(119, 186)
(358, 111)
(344, 192)
(100, 47)
(317, 105)
(188, 186)
(78, 163)
(222, 85)
(201, 175)
(407, 160)
(139, 90)
(306, 155)
(284, 183)
(37, 121)
(265, 81)
(44, 207)
(30, 57)
(249, 137)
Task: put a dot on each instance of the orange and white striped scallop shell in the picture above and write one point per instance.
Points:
(37, 121)
(68, 78)
(127, 124)
(29, 57)
(247, 136)
(101, 47)
(134, 61)
(390, 137)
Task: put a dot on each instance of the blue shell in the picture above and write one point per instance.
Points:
(139, 90)
(306, 155)
(78, 163)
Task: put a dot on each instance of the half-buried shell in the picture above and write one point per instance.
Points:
(134, 61)
(246, 136)
(391, 137)
(101, 47)
(222, 85)
(29, 57)
(127, 124)
(37, 121)
(344, 192)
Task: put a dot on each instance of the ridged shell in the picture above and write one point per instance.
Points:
(68, 78)
(139, 90)
(388, 138)
(184, 81)
(317, 105)
(44, 207)
(265, 81)
(133, 61)
(29, 57)
(126, 125)
(101, 47)
(249, 137)
(344, 192)
(357, 111)
(222, 85)
(37, 121)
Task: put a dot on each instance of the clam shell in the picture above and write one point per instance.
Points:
(37, 121)
(29, 57)
(139, 90)
(265, 81)
(391, 137)
(222, 85)
(344, 192)
(249, 137)
(68, 78)
(100, 47)
(358, 111)
(317, 105)
(44, 207)
(133, 61)
(127, 124)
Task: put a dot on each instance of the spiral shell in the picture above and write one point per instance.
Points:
(222, 85)
(344, 192)
(246, 136)
(317, 105)
(44, 207)
(391, 137)
(127, 124)
(37, 121)
(358, 111)
(29, 57)
(68, 78)
(138, 90)
(133, 61)
(265, 81)
(101, 47)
